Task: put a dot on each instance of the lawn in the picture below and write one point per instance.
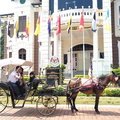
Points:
(91, 99)
(82, 100)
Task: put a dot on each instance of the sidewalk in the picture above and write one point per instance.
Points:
(86, 112)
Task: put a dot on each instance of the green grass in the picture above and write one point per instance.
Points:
(91, 100)
(83, 100)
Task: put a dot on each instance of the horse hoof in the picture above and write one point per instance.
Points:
(72, 110)
(97, 112)
(76, 110)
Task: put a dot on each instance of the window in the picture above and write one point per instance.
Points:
(102, 55)
(22, 54)
(22, 23)
(10, 54)
(65, 58)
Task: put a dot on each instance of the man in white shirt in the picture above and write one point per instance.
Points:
(13, 79)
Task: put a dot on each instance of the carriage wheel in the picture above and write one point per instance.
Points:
(46, 105)
(55, 98)
(3, 99)
(16, 102)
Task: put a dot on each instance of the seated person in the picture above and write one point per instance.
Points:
(21, 83)
(14, 80)
(33, 81)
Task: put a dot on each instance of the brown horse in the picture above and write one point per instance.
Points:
(89, 86)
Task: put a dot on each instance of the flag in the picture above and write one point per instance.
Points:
(90, 71)
(107, 23)
(94, 26)
(107, 14)
(69, 25)
(49, 26)
(58, 25)
(17, 29)
(81, 21)
(27, 28)
(37, 30)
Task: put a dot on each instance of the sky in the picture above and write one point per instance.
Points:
(5, 6)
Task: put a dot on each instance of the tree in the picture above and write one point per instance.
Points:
(2, 28)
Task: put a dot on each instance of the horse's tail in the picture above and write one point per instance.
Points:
(68, 94)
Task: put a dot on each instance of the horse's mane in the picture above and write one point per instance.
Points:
(102, 77)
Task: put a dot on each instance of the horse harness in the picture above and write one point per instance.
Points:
(75, 85)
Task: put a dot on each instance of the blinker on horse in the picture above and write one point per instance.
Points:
(90, 86)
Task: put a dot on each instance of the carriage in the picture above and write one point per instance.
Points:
(44, 96)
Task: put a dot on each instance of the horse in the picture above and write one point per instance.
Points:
(89, 86)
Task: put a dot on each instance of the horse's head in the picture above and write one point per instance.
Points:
(115, 78)
(118, 82)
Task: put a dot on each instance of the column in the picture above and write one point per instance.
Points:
(43, 37)
(107, 36)
(55, 44)
(119, 51)
(95, 44)
(55, 5)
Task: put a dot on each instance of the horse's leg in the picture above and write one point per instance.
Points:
(97, 103)
(74, 103)
(70, 100)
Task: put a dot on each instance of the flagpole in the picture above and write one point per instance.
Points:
(83, 53)
(60, 50)
(71, 51)
(83, 37)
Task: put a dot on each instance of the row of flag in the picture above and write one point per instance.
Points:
(81, 25)
(58, 25)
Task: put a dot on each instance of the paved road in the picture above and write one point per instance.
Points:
(86, 112)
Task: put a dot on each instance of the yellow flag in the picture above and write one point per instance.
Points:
(16, 28)
(27, 27)
(37, 30)
(107, 27)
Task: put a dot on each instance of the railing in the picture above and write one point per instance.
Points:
(76, 14)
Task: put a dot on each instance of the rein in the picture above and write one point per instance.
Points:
(107, 84)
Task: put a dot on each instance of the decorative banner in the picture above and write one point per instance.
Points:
(81, 21)
(69, 25)
(107, 17)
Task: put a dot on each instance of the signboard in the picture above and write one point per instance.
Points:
(53, 76)
(54, 61)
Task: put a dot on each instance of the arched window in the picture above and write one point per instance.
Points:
(22, 54)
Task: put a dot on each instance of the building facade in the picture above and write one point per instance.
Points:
(80, 51)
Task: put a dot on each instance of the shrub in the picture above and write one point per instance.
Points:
(60, 91)
(81, 76)
(112, 92)
(116, 70)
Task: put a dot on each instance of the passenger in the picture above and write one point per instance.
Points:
(21, 82)
(33, 81)
(14, 79)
